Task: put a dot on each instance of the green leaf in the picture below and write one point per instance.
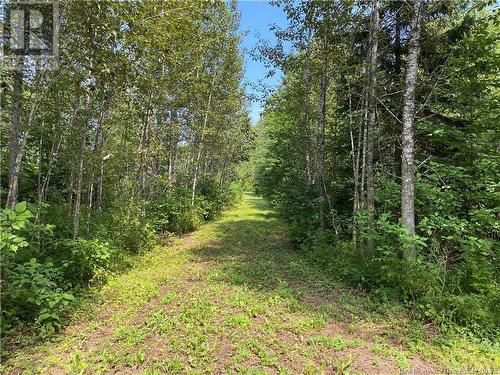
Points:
(44, 316)
(68, 296)
(20, 207)
(11, 214)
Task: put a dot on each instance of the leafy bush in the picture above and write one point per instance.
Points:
(339, 258)
(29, 289)
(172, 212)
(32, 294)
(216, 199)
(85, 261)
(127, 228)
(11, 222)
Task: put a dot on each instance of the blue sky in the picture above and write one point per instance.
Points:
(256, 17)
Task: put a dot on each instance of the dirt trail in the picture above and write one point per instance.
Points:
(233, 297)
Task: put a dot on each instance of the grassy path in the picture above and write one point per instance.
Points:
(233, 297)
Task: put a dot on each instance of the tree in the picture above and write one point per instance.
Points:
(408, 134)
(371, 110)
(14, 146)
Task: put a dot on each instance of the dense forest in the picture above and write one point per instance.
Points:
(136, 133)
(379, 151)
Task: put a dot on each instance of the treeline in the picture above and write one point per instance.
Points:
(137, 132)
(381, 149)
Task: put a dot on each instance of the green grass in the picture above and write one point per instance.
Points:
(235, 297)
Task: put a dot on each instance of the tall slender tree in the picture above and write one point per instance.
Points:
(371, 110)
(408, 134)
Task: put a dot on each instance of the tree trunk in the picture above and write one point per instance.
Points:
(78, 193)
(320, 183)
(79, 178)
(200, 148)
(172, 167)
(14, 147)
(355, 165)
(144, 149)
(39, 174)
(17, 146)
(100, 182)
(100, 149)
(370, 201)
(14, 181)
(408, 141)
(172, 153)
(90, 193)
(222, 172)
(307, 110)
(54, 153)
(362, 185)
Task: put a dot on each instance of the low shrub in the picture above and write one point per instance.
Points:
(83, 262)
(32, 293)
(30, 289)
(127, 229)
(173, 212)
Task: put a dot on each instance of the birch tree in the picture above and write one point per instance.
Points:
(408, 134)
